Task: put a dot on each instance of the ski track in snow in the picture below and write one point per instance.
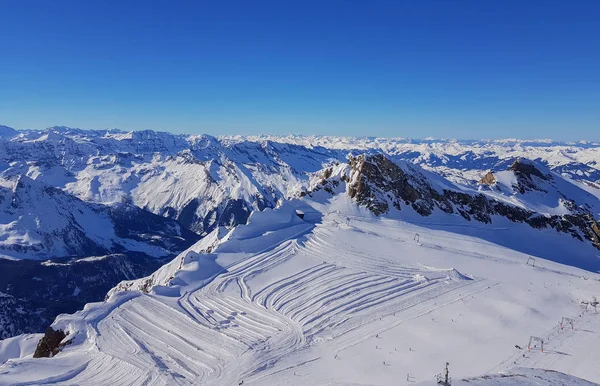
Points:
(232, 329)
(319, 291)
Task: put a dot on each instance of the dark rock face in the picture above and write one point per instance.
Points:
(526, 169)
(230, 213)
(187, 217)
(526, 175)
(375, 182)
(235, 212)
(50, 344)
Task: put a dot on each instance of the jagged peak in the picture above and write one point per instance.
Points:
(526, 168)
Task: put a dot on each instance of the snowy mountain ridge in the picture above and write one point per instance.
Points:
(340, 246)
(39, 221)
(290, 300)
(404, 190)
(205, 182)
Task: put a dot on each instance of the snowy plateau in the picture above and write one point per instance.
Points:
(163, 259)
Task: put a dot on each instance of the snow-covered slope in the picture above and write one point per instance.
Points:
(520, 377)
(339, 297)
(538, 189)
(18, 346)
(364, 261)
(204, 181)
(200, 181)
(406, 191)
(39, 221)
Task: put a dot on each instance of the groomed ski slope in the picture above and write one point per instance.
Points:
(340, 297)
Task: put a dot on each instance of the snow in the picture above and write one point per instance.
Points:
(339, 297)
(325, 300)
(550, 196)
(164, 172)
(18, 347)
(38, 221)
(520, 377)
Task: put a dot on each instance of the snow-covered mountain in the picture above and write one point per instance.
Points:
(360, 257)
(526, 194)
(322, 291)
(39, 221)
(204, 182)
(462, 160)
(198, 180)
(91, 246)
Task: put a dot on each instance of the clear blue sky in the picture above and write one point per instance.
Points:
(452, 69)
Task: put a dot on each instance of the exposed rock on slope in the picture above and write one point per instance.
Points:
(50, 343)
(528, 175)
(488, 179)
(381, 185)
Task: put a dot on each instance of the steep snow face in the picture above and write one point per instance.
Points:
(534, 187)
(198, 180)
(338, 297)
(39, 221)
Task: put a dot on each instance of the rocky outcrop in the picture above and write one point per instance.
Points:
(50, 344)
(527, 174)
(488, 179)
(381, 185)
(595, 230)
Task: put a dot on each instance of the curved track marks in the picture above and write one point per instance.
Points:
(260, 310)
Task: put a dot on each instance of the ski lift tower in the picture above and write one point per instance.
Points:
(566, 320)
(444, 379)
(533, 339)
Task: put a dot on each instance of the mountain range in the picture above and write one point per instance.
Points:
(231, 230)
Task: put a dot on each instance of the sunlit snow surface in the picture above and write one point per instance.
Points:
(340, 297)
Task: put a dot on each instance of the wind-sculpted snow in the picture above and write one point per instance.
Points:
(257, 295)
(304, 301)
